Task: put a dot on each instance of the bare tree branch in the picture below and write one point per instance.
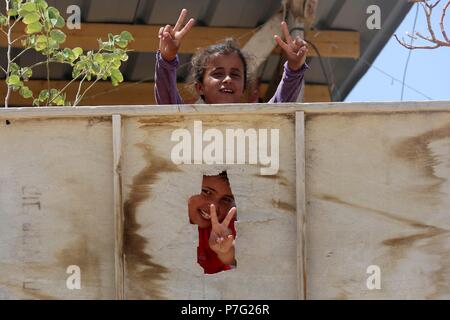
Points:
(411, 47)
(19, 38)
(43, 62)
(8, 57)
(63, 89)
(21, 53)
(428, 14)
(434, 5)
(439, 43)
(15, 22)
(428, 7)
(444, 11)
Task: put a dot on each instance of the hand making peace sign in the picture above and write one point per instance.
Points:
(295, 49)
(170, 40)
(170, 37)
(221, 239)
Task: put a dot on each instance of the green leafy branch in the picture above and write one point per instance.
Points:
(43, 34)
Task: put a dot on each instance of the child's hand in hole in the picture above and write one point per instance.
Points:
(170, 37)
(221, 239)
(295, 49)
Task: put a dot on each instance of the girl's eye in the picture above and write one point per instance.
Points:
(206, 191)
(236, 75)
(217, 74)
(228, 200)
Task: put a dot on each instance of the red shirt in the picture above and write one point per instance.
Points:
(206, 257)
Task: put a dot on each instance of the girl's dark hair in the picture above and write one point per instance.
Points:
(223, 174)
(200, 60)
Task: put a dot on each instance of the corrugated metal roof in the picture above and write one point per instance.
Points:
(344, 73)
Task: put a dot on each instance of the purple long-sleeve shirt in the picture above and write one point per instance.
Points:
(166, 91)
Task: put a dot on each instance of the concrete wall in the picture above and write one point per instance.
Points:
(357, 185)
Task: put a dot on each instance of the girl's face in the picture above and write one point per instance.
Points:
(223, 79)
(215, 190)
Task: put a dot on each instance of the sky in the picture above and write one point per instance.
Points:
(428, 71)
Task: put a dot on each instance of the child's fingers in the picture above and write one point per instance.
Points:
(282, 44)
(168, 29)
(180, 20)
(214, 220)
(299, 43)
(303, 51)
(229, 243)
(187, 28)
(284, 28)
(160, 33)
(229, 216)
(225, 243)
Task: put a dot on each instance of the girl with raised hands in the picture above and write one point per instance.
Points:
(220, 72)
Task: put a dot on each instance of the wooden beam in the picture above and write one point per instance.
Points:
(119, 219)
(317, 93)
(362, 108)
(260, 46)
(313, 92)
(337, 44)
(146, 36)
(300, 156)
(129, 93)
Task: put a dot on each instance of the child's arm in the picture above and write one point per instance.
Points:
(221, 239)
(166, 91)
(294, 69)
(290, 85)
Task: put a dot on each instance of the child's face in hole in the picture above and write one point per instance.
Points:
(223, 79)
(215, 190)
